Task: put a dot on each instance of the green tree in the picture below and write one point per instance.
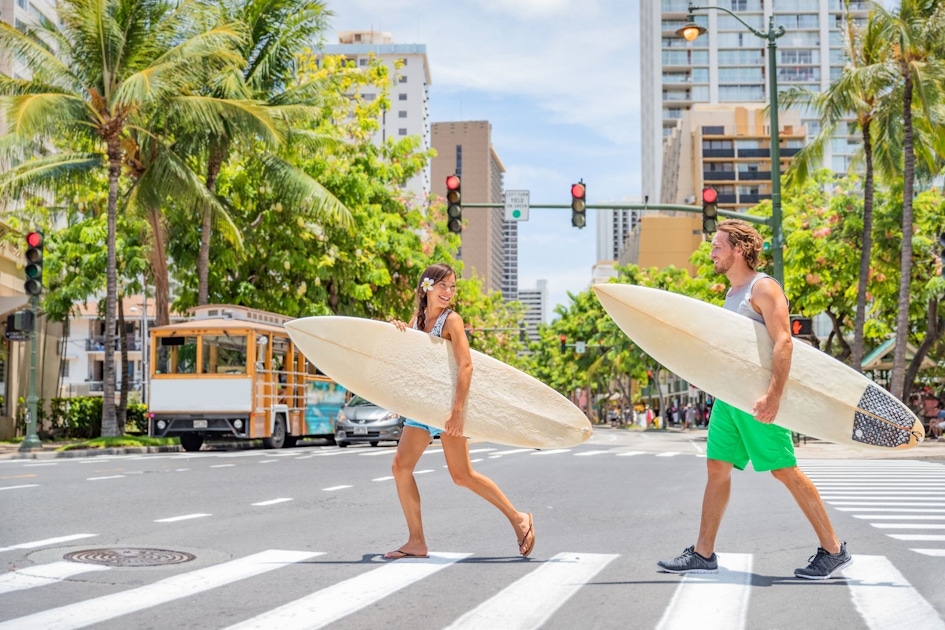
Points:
(856, 93)
(114, 62)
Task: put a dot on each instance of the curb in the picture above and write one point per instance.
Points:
(15, 453)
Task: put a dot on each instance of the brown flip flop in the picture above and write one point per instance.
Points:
(403, 554)
(522, 543)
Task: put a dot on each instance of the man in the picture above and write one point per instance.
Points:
(736, 437)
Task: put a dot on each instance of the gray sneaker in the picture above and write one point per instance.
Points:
(823, 565)
(690, 562)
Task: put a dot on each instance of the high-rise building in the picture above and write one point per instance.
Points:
(728, 65)
(490, 243)
(613, 228)
(536, 303)
(409, 114)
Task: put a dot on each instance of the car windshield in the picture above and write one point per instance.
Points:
(357, 401)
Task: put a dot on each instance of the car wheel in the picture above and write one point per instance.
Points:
(278, 437)
(374, 442)
(191, 441)
(341, 444)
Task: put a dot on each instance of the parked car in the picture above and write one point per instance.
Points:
(361, 420)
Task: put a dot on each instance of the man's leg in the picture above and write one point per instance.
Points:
(718, 489)
(807, 497)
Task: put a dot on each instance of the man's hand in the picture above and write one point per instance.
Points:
(766, 409)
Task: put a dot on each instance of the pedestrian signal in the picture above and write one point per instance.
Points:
(454, 204)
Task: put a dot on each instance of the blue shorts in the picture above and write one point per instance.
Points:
(736, 437)
(433, 431)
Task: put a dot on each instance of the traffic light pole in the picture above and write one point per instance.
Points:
(639, 206)
(31, 441)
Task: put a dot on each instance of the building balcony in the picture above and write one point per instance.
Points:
(754, 176)
(718, 153)
(97, 344)
(715, 176)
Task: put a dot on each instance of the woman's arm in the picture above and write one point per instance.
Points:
(454, 331)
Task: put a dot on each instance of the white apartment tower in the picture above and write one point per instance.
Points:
(536, 303)
(728, 64)
(613, 228)
(409, 114)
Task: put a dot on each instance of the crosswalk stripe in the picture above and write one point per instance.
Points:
(885, 599)
(709, 601)
(629, 453)
(871, 508)
(556, 451)
(589, 453)
(918, 517)
(940, 553)
(533, 599)
(919, 537)
(48, 541)
(340, 600)
(101, 609)
(668, 454)
(31, 577)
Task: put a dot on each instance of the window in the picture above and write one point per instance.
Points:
(21, 3)
(65, 369)
(713, 131)
(401, 97)
(362, 62)
(369, 97)
(402, 79)
(176, 355)
(402, 114)
(403, 60)
(402, 131)
(224, 354)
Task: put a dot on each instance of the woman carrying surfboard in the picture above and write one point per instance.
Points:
(736, 437)
(435, 292)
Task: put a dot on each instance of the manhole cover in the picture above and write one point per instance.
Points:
(129, 557)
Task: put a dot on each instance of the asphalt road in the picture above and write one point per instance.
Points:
(293, 538)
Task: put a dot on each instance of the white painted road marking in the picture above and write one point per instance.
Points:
(101, 609)
(708, 601)
(48, 541)
(340, 600)
(185, 517)
(885, 599)
(272, 502)
(41, 575)
(532, 600)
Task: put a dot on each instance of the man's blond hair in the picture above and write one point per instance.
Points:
(741, 233)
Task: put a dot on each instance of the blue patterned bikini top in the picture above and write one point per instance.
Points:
(437, 330)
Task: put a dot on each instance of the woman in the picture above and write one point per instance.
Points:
(435, 293)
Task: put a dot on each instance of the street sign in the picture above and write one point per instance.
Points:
(17, 335)
(516, 205)
(580, 347)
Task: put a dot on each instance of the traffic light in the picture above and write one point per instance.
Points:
(564, 342)
(454, 205)
(578, 204)
(20, 321)
(710, 210)
(34, 263)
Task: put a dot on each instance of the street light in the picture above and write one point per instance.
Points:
(690, 31)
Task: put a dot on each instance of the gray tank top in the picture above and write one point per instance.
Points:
(437, 330)
(740, 301)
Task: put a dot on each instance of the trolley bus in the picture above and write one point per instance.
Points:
(233, 372)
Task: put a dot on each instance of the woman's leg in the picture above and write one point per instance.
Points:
(413, 442)
(456, 450)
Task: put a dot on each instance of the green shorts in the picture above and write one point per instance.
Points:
(736, 437)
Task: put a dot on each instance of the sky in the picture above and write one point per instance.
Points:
(559, 81)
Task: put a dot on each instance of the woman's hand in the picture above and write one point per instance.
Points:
(401, 326)
(454, 425)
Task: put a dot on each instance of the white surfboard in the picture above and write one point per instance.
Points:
(729, 356)
(414, 374)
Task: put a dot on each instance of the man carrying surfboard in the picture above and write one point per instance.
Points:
(435, 293)
(736, 437)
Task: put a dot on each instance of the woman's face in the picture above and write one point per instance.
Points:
(442, 292)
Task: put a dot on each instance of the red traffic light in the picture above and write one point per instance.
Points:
(709, 195)
(452, 182)
(34, 239)
(577, 190)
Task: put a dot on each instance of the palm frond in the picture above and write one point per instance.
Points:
(48, 173)
(301, 190)
(206, 113)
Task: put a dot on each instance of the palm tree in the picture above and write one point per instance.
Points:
(915, 32)
(857, 93)
(277, 30)
(96, 74)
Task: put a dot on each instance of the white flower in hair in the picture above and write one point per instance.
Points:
(427, 284)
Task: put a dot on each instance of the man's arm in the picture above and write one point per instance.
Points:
(769, 300)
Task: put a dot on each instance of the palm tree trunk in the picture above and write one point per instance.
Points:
(203, 258)
(109, 419)
(905, 260)
(934, 328)
(162, 290)
(859, 320)
(121, 414)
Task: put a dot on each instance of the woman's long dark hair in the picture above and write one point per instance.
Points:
(434, 272)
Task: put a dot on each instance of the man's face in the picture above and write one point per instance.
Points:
(722, 254)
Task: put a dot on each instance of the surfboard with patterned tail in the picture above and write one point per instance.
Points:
(729, 357)
(414, 374)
